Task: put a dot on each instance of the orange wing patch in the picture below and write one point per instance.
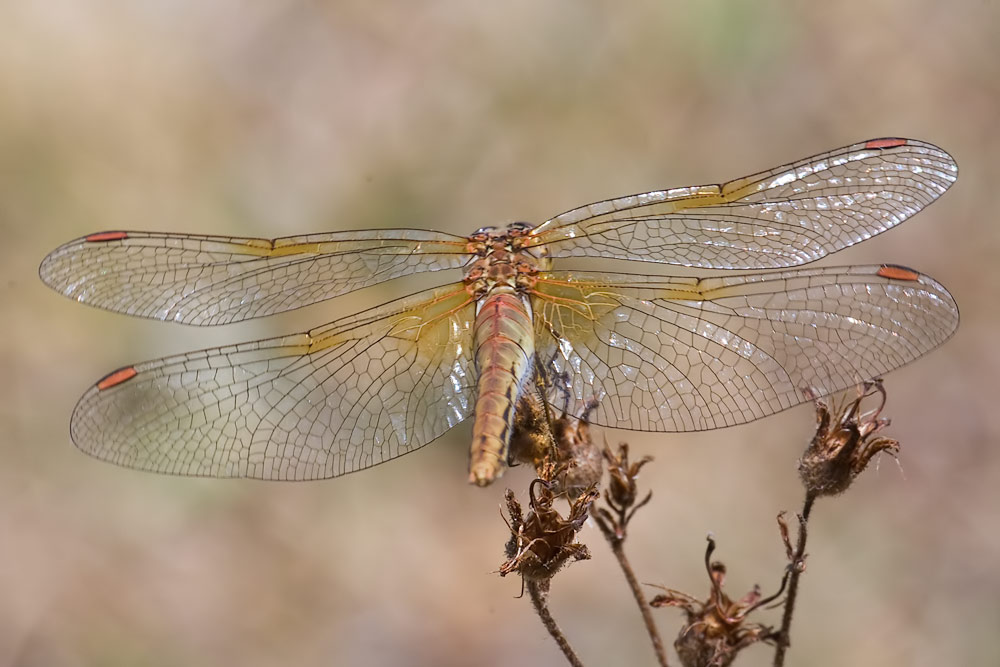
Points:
(115, 378)
(885, 143)
(106, 236)
(896, 272)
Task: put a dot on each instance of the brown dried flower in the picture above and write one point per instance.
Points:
(622, 477)
(717, 629)
(530, 440)
(541, 541)
(844, 443)
(622, 490)
(567, 445)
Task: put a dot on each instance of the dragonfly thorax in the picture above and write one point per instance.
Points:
(504, 261)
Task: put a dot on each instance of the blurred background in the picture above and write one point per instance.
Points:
(271, 119)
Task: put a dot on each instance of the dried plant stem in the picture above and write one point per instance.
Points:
(618, 548)
(538, 595)
(797, 567)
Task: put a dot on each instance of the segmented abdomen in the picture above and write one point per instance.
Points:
(505, 350)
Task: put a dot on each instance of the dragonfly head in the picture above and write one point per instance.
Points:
(513, 229)
(519, 228)
(490, 231)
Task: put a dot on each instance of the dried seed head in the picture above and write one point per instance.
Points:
(542, 542)
(622, 476)
(529, 439)
(716, 630)
(844, 443)
(568, 444)
(575, 447)
(621, 494)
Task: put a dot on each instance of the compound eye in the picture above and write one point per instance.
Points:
(519, 226)
(487, 231)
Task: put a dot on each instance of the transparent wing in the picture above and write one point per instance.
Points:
(786, 216)
(347, 396)
(682, 354)
(208, 280)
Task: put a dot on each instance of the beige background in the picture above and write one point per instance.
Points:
(221, 117)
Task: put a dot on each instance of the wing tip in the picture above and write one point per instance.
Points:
(907, 275)
(50, 264)
(885, 143)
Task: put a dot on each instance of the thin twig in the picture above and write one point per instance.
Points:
(538, 600)
(617, 547)
(797, 566)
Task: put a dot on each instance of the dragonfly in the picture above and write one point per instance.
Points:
(634, 351)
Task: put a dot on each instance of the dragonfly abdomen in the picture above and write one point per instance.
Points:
(504, 353)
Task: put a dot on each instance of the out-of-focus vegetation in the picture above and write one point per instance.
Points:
(288, 117)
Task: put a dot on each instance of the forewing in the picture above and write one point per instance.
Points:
(206, 280)
(786, 216)
(679, 354)
(347, 396)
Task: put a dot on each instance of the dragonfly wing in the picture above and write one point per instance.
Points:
(682, 354)
(786, 216)
(206, 280)
(347, 396)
